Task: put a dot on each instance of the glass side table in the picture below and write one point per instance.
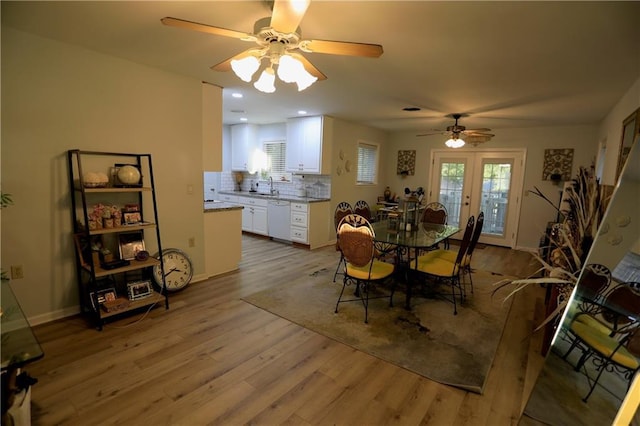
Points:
(19, 347)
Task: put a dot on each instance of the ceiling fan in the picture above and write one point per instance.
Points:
(459, 135)
(279, 40)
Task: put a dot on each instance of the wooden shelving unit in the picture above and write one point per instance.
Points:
(93, 277)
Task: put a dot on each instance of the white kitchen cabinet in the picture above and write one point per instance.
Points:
(244, 140)
(299, 222)
(254, 215)
(309, 145)
(228, 198)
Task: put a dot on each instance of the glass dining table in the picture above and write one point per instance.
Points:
(408, 244)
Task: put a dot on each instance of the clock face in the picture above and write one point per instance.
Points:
(177, 270)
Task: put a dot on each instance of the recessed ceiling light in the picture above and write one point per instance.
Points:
(302, 112)
(411, 109)
(244, 119)
(236, 95)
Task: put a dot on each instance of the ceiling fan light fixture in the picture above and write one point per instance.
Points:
(291, 70)
(455, 143)
(245, 68)
(266, 81)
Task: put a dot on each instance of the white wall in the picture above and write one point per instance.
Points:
(57, 97)
(610, 130)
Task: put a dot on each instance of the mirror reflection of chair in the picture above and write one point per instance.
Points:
(444, 270)
(361, 207)
(342, 209)
(355, 236)
(594, 281)
(609, 335)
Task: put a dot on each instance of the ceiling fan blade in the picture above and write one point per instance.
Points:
(434, 132)
(311, 69)
(342, 48)
(203, 28)
(474, 133)
(287, 14)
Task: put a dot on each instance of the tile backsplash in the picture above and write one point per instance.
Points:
(316, 186)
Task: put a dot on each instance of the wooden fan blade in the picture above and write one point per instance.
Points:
(475, 133)
(434, 132)
(342, 48)
(311, 69)
(287, 14)
(482, 129)
(203, 28)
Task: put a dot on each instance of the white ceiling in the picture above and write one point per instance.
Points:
(507, 64)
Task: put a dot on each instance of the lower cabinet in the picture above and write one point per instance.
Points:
(254, 215)
(300, 222)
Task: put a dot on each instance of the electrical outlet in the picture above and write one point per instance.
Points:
(192, 242)
(17, 272)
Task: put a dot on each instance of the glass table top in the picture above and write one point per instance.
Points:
(19, 344)
(426, 234)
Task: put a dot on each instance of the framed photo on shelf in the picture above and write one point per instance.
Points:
(130, 243)
(101, 296)
(139, 289)
(131, 218)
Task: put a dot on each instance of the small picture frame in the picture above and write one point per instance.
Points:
(100, 296)
(130, 243)
(139, 289)
(132, 218)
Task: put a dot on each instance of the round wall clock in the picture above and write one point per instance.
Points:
(178, 269)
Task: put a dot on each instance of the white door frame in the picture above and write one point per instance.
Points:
(472, 187)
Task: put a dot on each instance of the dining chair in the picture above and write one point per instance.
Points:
(611, 349)
(361, 207)
(450, 255)
(617, 311)
(342, 209)
(436, 212)
(444, 270)
(361, 267)
(594, 282)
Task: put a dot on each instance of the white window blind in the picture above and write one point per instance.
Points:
(276, 152)
(367, 163)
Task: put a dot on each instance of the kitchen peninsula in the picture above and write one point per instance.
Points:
(222, 237)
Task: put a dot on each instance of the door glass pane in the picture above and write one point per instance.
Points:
(496, 181)
(451, 181)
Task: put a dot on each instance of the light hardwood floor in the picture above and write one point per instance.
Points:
(214, 359)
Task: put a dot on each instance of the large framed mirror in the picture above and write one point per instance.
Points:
(572, 387)
(630, 134)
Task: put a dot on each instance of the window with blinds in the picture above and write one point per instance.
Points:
(367, 163)
(276, 151)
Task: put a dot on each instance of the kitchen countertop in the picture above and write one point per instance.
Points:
(283, 197)
(217, 206)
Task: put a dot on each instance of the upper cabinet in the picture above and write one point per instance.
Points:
(244, 139)
(309, 145)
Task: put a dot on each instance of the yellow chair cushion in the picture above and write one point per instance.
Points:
(437, 266)
(605, 345)
(593, 323)
(379, 270)
(448, 255)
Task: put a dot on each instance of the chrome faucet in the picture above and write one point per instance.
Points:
(271, 190)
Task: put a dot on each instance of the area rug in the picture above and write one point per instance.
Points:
(429, 340)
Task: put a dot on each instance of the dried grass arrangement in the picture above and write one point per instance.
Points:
(586, 203)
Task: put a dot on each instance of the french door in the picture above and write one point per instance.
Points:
(468, 182)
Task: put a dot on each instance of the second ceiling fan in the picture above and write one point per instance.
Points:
(459, 134)
(279, 41)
